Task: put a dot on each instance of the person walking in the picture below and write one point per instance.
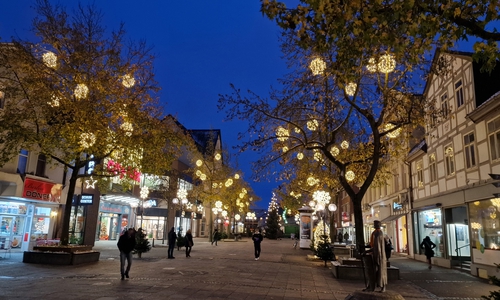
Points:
(377, 244)
(257, 239)
(189, 242)
(215, 236)
(126, 244)
(340, 237)
(172, 238)
(346, 237)
(428, 245)
(388, 247)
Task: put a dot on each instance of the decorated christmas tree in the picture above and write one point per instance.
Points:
(272, 219)
(323, 249)
(142, 244)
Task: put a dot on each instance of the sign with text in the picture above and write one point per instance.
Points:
(41, 190)
(87, 199)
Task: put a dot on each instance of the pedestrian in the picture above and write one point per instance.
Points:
(340, 237)
(172, 238)
(428, 245)
(377, 244)
(215, 236)
(126, 244)
(388, 247)
(346, 237)
(257, 239)
(189, 242)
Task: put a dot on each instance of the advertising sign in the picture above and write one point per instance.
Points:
(87, 199)
(41, 190)
(305, 229)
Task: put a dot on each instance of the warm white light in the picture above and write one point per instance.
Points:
(312, 204)
(199, 162)
(175, 201)
(317, 66)
(218, 156)
(229, 182)
(128, 81)
(237, 217)
(311, 181)
(184, 201)
(241, 195)
(332, 207)
(344, 145)
(475, 225)
(203, 177)
(285, 149)
(182, 194)
(144, 192)
(282, 134)
(218, 204)
(87, 139)
(317, 156)
(320, 206)
(334, 151)
(50, 59)
(496, 202)
(312, 124)
(128, 128)
(81, 91)
(224, 213)
(55, 101)
(296, 129)
(372, 66)
(392, 134)
(350, 88)
(386, 63)
(198, 173)
(200, 208)
(300, 156)
(349, 175)
(236, 176)
(321, 197)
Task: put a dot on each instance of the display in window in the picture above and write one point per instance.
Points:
(485, 224)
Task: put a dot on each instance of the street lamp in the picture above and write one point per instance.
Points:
(144, 195)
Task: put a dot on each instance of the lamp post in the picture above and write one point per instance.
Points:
(144, 195)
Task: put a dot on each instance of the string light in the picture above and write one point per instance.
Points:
(317, 66)
(50, 59)
(312, 124)
(386, 63)
(81, 91)
(128, 128)
(300, 156)
(344, 145)
(128, 81)
(392, 134)
(334, 151)
(349, 175)
(218, 156)
(87, 139)
(350, 88)
(282, 134)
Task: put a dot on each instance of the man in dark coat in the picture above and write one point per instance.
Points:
(172, 238)
(257, 238)
(126, 244)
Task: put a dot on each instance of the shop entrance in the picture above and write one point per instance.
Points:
(108, 226)
(11, 230)
(457, 233)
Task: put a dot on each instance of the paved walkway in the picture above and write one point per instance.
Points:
(226, 271)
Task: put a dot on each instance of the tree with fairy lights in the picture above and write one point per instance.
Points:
(272, 219)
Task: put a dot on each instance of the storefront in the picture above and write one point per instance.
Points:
(113, 219)
(429, 223)
(153, 220)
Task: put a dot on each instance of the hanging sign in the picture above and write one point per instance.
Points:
(41, 190)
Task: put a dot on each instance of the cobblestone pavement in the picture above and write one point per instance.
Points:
(226, 271)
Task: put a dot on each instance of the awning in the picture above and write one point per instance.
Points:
(121, 198)
(391, 218)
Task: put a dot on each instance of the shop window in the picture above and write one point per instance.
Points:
(485, 224)
(470, 150)
(40, 165)
(444, 106)
(22, 162)
(449, 160)
(494, 138)
(459, 93)
(420, 173)
(431, 224)
(2, 99)
(433, 167)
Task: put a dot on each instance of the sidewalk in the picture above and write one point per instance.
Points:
(226, 271)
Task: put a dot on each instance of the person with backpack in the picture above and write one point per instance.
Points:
(428, 246)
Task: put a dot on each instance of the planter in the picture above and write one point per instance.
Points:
(355, 271)
(67, 249)
(61, 257)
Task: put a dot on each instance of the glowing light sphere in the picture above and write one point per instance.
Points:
(182, 194)
(184, 201)
(237, 217)
(312, 124)
(350, 88)
(199, 162)
(203, 177)
(300, 156)
(344, 145)
(317, 66)
(386, 63)
(55, 102)
(144, 192)
(236, 176)
(50, 59)
(215, 185)
(332, 207)
(198, 173)
(312, 204)
(81, 91)
(218, 204)
(334, 150)
(229, 182)
(224, 213)
(321, 197)
(297, 130)
(175, 201)
(392, 134)
(317, 156)
(128, 128)
(241, 195)
(218, 156)
(311, 181)
(128, 81)
(372, 66)
(244, 191)
(282, 134)
(349, 175)
(87, 139)
(285, 149)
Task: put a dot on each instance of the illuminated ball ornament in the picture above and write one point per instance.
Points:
(87, 139)
(317, 66)
(218, 156)
(198, 173)
(344, 145)
(300, 156)
(199, 162)
(350, 88)
(282, 134)
(285, 149)
(81, 91)
(311, 181)
(236, 176)
(386, 63)
(349, 175)
(312, 124)
(229, 182)
(203, 177)
(372, 66)
(334, 151)
(297, 130)
(128, 81)
(317, 156)
(50, 59)
(392, 134)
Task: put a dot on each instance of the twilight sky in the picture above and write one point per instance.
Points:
(201, 47)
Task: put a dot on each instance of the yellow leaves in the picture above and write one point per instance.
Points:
(457, 12)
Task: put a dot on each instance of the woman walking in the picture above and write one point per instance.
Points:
(189, 242)
(428, 245)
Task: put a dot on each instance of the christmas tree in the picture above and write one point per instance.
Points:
(324, 250)
(272, 219)
(141, 243)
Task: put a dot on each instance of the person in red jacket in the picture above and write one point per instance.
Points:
(126, 245)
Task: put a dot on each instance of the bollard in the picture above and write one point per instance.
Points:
(153, 242)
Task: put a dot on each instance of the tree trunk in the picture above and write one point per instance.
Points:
(358, 221)
(67, 208)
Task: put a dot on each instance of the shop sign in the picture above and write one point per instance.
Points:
(111, 208)
(345, 216)
(41, 190)
(396, 206)
(87, 199)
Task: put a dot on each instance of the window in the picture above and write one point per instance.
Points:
(40, 165)
(22, 163)
(494, 138)
(484, 224)
(420, 173)
(470, 150)
(449, 160)
(444, 106)
(2, 100)
(432, 167)
(459, 93)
